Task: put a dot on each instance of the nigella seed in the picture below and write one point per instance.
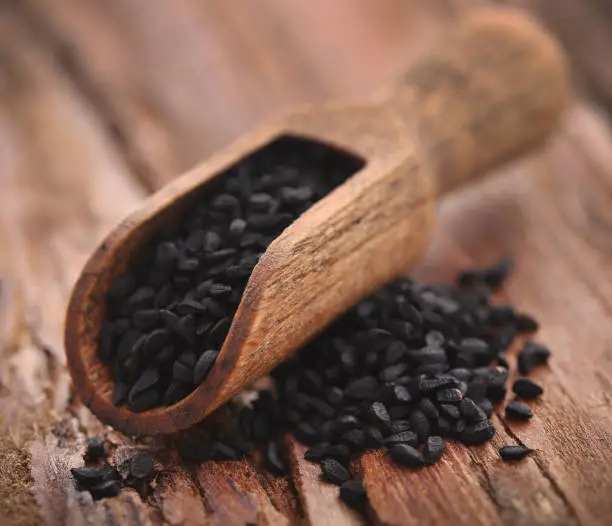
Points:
(406, 455)
(334, 472)
(429, 409)
(182, 372)
(88, 477)
(147, 379)
(224, 452)
(514, 452)
(95, 449)
(451, 395)
(531, 355)
(373, 437)
(120, 393)
(176, 392)
(434, 449)
(362, 388)
(478, 433)
(399, 426)
(144, 401)
(516, 410)
(306, 434)
(318, 452)
(451, 411)
(487, 407)
(106, 489)
(526, 388)
(335, 396)
(355, 439)
(274, 460)
(141, 465)
(378, 414)
(353, 494)
(420, 424)
(471, 411)
(204, 365)
(525, 323)
(405, 437)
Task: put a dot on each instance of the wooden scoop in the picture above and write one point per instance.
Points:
(493, 90)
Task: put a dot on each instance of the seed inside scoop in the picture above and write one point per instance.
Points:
(168, 316)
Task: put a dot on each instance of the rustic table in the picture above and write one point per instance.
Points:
(103, 101)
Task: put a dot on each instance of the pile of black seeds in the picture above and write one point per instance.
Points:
(167, 318)
(104, 480)
(405, 370)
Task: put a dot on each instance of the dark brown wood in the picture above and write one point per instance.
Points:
(98, 97)
(464, 114)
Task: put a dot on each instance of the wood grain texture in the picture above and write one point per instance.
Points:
(95, 105)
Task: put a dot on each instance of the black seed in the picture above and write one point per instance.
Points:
(237, 227)
(396, 351)
(121, 287)
(120, 393)
(141, 299)
(204, 365)
(335, 396)
(405, 437)
(345, 423)
(514, 452)
(486, 405)
(525, 323)
(353, 494)
(274, 460)
(434, 449)
(495, 276)
(526, 388)
(147, 379)
(496, 383)
(334, 472)
(141, 465)
(196, 451)
(443, 426)
(451, 395)
(176, 392)
(474, 346)
(393, 372)
(318, 452)
(429, 409)
(109, 488)
(306, 434)
(531, 355)
(341, 453)
(401, 395)
(471, 411)
(378, 414)
(224, 452)
(427, 385)
(182, 372)
(373, 437)
(88, 477)
(450, 411)
(362, 388)
(398, 426)
(399, 411)
(460, 373)
(406, 455)
(95, 449)
(420, 424)
(155, 341)
(516, 410)
(355, 439)
(144, 401)
(477, 433)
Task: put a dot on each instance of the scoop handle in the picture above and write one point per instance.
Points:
(493, 89)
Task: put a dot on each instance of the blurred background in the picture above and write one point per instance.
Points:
(104, 101)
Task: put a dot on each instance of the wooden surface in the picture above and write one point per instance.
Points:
(102, 101)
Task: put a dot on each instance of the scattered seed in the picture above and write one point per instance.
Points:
(406, 455)
(334, 472)
(141, 465)
(516, 410)
(95, 449)
(514, 452)
(434, 449)
(526, 388)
